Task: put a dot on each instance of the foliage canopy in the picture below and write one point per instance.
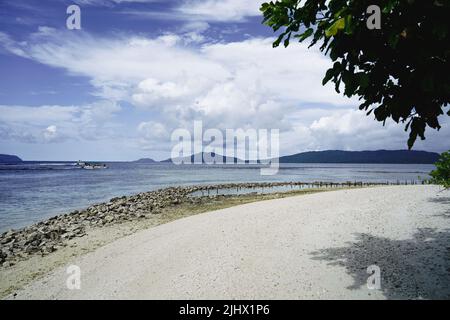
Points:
(401, 71)
(441, 175)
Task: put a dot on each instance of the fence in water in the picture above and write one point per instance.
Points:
(277, 187)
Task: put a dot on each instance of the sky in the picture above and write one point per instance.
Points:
(140, 69)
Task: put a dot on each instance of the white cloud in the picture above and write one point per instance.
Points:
(36, 115)
(195, 26)
(152, 130)
(351, 129)
(229, 84)
(10, 45)
(151, 90)
(58, 123)
(221, 10)
(245, 84)
(111, 2)
(50, 133)
(206, 11)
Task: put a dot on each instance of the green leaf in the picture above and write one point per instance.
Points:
(390, 5)
(277, 42)
(417, 129)
(328, 76)
(335, 27)
(363, 80)
(427, 83)
(264, 7)
(305, 34)
(393, 40)
(348, 25)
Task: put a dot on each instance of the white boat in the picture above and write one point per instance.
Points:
(91, 166)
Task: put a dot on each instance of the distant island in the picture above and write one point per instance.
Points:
(9, 159)
(378, 156)
(327, 156)
(145, 160)
(337, 156)
(203, 156)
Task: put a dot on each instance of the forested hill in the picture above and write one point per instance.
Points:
(10, 159)
(378, 156)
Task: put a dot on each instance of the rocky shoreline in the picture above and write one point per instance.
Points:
(52, 234)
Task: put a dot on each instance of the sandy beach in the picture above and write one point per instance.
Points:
(315, 246)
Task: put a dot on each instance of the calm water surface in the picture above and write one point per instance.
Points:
(31, 192)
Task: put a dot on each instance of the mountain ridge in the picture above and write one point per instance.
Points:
(145, 160)
(367, 156)
(324, 156)
(342, 156)
(9, 159)
(191, 158)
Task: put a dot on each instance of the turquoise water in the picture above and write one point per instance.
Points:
(34, 191)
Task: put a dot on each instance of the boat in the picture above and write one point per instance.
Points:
(91, 166)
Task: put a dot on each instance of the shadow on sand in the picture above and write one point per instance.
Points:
(413, 268)
(445, 202)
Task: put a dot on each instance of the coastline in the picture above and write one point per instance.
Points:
(50, 235)
(39, 248)
(310, 246)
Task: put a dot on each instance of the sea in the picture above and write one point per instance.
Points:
(33, 191)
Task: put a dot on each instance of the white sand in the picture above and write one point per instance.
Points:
(311, 246)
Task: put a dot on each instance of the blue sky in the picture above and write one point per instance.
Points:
(139, 69)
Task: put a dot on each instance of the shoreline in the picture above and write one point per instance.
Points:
(49, 235)
(22, 267)
(317, 245)
(35, 250)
